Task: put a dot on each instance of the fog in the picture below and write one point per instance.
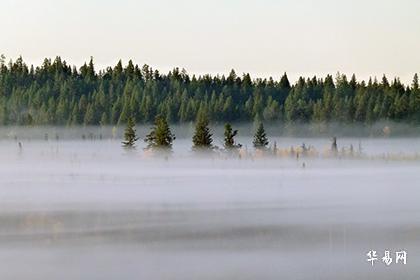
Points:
(74, 207)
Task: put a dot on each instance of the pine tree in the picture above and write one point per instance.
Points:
(202, 138)
(260, 138)
(130, 137)
(161, 136)
(229, 141)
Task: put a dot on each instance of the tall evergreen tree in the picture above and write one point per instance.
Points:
(229, 140)
(260, 138)
(130, 136)
(202, 139)
(160, 137)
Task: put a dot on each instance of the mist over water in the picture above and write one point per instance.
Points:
(74, 207)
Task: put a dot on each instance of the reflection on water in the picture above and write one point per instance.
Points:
(85, 210)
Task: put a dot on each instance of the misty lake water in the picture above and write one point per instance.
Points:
(84, 209)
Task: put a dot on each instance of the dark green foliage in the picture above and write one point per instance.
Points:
(229, 140)
(161, 136)
(260, 138)
(130, 137)
(56, 93)
(202, 138)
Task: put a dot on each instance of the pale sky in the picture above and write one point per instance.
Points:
(262, 37)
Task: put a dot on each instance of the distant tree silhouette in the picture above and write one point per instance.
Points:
(130, 136)
(160, 137)
(202, 139)
(260, 137)
(229, 140)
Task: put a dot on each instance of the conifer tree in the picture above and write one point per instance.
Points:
(202, 138)
(160, 137)
(229, 141)
(415, 85)
(260, 138)
(334, 147)
(56, 93)
(130, 136)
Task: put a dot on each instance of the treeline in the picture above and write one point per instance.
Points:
(56, 93)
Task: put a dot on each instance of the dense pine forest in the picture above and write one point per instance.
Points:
(59, 94)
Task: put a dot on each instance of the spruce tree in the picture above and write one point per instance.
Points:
(229, 141)
(130, 137)
(202, 138)
(260, 138)
(160, 137)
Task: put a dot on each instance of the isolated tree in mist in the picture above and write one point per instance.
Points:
(334, 147)
(130, 136)
(160, 137)
(229, 140)
(202, 138)
(260, 137)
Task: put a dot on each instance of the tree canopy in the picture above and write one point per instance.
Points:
(130, 136)
(260, 138)
(57, 93)
(229, 138)
(160, 137)
(202, 138)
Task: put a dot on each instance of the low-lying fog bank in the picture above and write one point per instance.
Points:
(279, 147)
(315, 130)
(85, 209)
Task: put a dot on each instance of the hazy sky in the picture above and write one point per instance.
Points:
(263, 37)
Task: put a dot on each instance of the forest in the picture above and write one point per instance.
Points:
(57, 93)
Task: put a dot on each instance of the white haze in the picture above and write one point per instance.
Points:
(84, 209)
